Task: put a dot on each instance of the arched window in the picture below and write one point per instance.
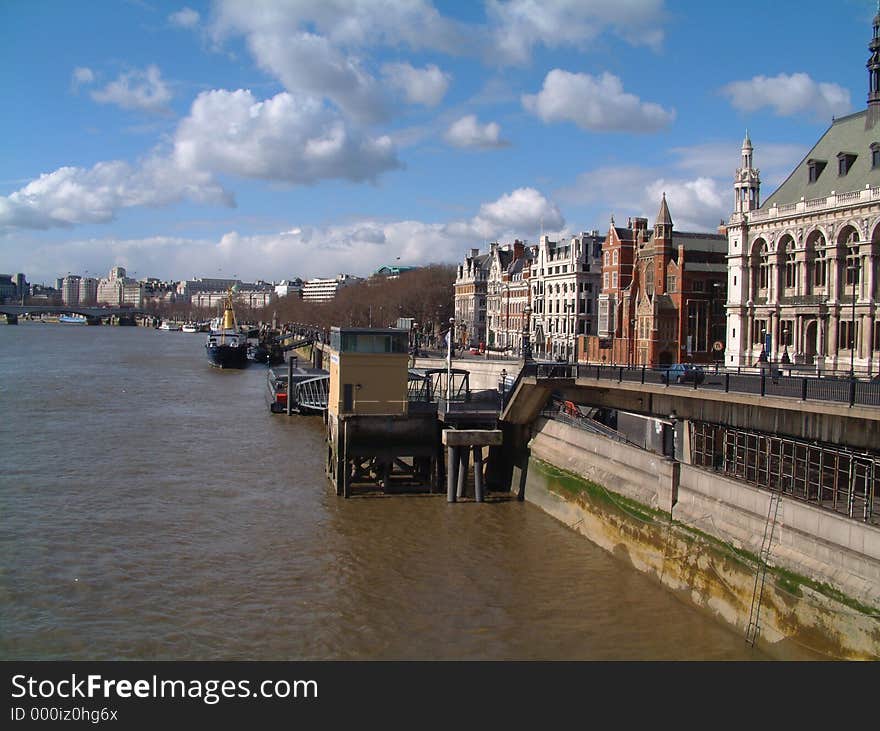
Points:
(614, 257)
(607, 259)
(790, 265)
(853, 266)
(764, 267)
(820, 264)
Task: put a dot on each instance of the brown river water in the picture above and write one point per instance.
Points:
(152, 508)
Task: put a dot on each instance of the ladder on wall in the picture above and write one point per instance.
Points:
(754, 626)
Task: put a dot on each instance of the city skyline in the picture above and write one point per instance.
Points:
(347, 136)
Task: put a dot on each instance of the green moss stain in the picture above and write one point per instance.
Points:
(650, 528)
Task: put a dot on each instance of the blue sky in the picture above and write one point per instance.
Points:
(313, 137)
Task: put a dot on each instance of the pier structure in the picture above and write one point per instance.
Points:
(374, 438)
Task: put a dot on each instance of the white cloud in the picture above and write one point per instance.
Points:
(788, 94)
(141, 90)
(521, 212)
(518, 26)
(317, 46)
(695, 203)
(73, 195)
(420, 86)
(467, 132)
(284, 138)
(596, 103)
(184, 18)
(358, 247)
(82, 75)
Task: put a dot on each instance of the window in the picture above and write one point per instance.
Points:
(670, 283)
(614, 280)
(814, 169)
(844, 162)
(786, 332)
(758, 332)
(790, 265)
(605, 280)
(698, 285)
(847, 335)
(614, 258)
(853, 266)
(820, 265)
(875, 155)
(607, 258)
(764, 267)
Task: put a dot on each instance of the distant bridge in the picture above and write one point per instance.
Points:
(92, 312)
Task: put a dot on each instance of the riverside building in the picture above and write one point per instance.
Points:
(803, 265)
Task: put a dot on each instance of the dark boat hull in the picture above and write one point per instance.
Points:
(227, 356)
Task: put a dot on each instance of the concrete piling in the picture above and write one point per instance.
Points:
(451, 473)
(478, 474)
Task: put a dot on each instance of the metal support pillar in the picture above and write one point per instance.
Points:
(289, 386)
(346, 467)
(478, 474)
(451, 473)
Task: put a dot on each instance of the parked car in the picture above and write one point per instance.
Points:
(685, 373)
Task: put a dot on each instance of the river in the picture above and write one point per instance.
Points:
(152, 508)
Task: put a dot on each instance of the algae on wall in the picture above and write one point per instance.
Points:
(799, 618)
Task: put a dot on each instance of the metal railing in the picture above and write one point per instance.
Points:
(769, 381)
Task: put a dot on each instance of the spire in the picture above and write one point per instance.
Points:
(747, 142)
(663, 224)
(663, 216)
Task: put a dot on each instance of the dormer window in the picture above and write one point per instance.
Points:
(875, 155)
(815, 168)
(844, 162)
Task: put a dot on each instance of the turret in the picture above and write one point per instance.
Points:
(873, 67)
(747, 181)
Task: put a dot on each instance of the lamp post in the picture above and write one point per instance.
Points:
(853, 267)
(526, 344)
(449, 334)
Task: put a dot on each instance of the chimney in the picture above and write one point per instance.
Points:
(518, 249)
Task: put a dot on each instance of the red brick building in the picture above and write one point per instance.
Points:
(663, 296)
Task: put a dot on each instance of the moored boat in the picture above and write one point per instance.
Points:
(190, 327)
(226, 346)
(73, 319)
(169, 326)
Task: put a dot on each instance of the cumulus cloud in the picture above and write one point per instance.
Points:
(420, 86)
(184, 18)
(468, 132)
(74, 195)
(695, 203)
(317, 46)
(524, 210)
(518, 26)
(284, 138)
(787, 95)
(82, 75)
(596, 103)
(364, 244)
(139, 90)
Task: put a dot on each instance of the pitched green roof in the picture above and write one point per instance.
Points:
(847, 135)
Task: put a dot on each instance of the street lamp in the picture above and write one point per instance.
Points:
(526, 344)
(449, 334)
(853, 267)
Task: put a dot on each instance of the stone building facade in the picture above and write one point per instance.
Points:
(662, 298)
(803, 265)
(565, 285)
(470, 289)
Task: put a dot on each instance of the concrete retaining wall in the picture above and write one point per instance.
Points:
(795, 620)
